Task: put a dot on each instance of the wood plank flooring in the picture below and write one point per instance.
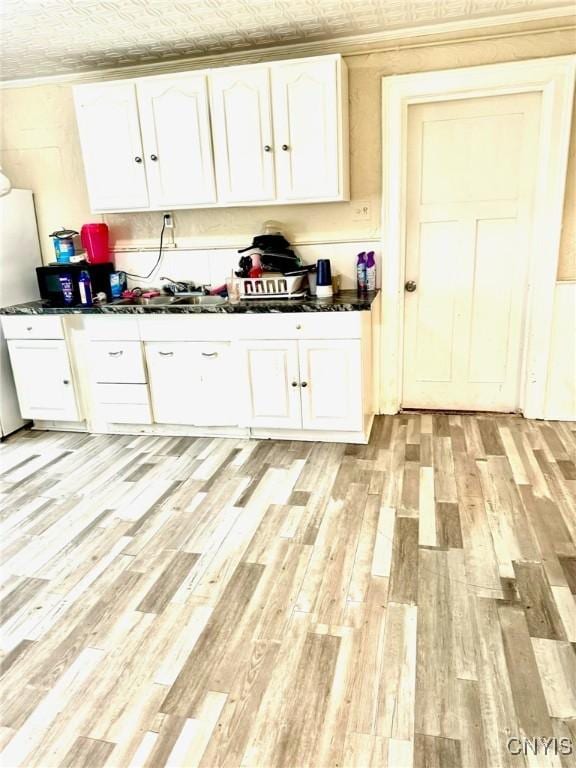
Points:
(222, 602)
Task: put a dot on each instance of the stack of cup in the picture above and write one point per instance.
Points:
(323, 279)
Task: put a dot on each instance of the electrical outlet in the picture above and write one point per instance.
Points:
(361, 210)
(168, 221)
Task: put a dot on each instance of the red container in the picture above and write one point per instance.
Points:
(95, 239)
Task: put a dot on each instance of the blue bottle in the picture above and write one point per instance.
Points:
(85, 289)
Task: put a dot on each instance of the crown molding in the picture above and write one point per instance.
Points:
(463, 30)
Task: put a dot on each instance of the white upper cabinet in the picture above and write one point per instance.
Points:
(242, 127)
(250, 135)
(175, 124)
(305, 98)
(111, 146)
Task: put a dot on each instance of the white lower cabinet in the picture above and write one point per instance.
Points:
(190, 382)
(43, 378)
(306, 384)
(331, 384)
(271, 396)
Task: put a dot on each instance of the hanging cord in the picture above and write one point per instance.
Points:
(156, 265)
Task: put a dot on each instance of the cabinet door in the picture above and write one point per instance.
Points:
(271, 392)
(174, 381)
(331, 384)
(177, 145)
(305, 106)
(242, 130)
(43, 380)
(217, 401)
(111, 146)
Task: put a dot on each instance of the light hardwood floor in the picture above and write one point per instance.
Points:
(211, 602)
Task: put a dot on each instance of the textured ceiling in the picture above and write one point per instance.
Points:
(49, 37)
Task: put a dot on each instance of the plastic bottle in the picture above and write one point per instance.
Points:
(370, 271)
(361, 272)
(85, 289)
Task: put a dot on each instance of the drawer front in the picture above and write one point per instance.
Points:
(112, 328)
(300, 325)
(117, 362)
(118, 394)
(33, 327)
(207, 327)
(125, 413)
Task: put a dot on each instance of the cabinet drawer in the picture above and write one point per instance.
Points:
(199, 327)
(300, 325)
(123, 403)
(125, 413)
(118, 394)
(33, 327)
(117, 362)
(112, 328)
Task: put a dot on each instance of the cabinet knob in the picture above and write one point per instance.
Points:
(285, 147)
(298, 327)
(65, 381)
(410, 286)
(138, 159)
(294, 383)
(304, 384)
(267, 148)
(154, 157)
(28, 327)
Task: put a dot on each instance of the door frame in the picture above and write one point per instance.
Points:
(554, 79)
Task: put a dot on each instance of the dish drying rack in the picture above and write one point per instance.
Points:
(272, 286)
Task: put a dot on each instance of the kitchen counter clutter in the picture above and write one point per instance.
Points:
(301, 372)
(345, 301)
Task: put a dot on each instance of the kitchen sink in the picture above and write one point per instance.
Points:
(202, 300)
(167, 301)
(162, 301)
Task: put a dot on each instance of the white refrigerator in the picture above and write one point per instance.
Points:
(19, 257)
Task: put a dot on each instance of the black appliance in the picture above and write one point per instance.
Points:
(52, 287)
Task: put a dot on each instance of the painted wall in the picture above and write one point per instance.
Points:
(39, 149)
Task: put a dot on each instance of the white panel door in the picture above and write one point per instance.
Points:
(174, 381)
(43, 380)
(305, 106)
(242, 131)
(270, 384)
(331, 384)
(470, 183)
(215, 365)
(177, 144)
(111, 146)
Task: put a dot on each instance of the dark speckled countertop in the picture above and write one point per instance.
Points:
(346, 301)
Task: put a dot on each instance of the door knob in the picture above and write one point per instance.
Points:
(410, 286)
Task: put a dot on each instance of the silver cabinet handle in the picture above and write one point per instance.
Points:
(165, 354)
(209, 354)
(116, 354)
